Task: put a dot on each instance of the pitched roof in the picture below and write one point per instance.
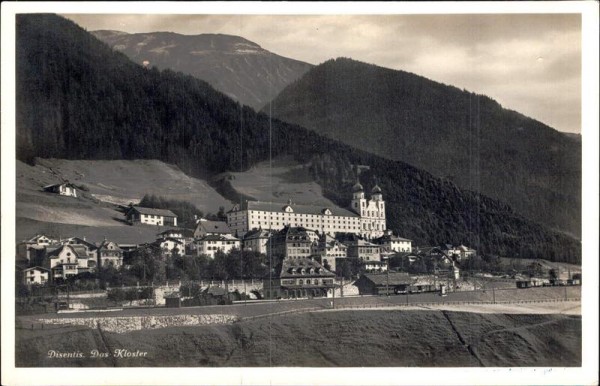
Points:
(59, 184)
(257, 234)
(297, 208)
(78, 251)
(214, 226)
(38, 236)
(171, 239)
(105, 245)
(36, 267)
(301, 267)
(183, 231)
(153, 211)
(395, 278)
(72, 241)
(296, 234)
(361, 243)
(221, 237)
(388, 238)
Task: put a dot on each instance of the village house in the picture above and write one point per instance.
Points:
(364, 250)
(151, 216)
(177, 236)
(450, 250)
(210, 244)
(436, 254)
(35, 276)
(300, 278)
(330, 250)
(68, 261)
(110, 254)
(465, 252)
(292, 242)
(256, 240)
(64, 189)
(171, 245)
(90, 249)
(31, 252)
(394, 243)
(207, 227)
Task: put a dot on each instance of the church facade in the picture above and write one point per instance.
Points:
(365, 217)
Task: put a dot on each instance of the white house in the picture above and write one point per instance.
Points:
(394, 243)
(65, 261)
(151, 216)
(210, 244)
(36, 275)
(466, 252)
(169, 245)
(256, 240)
(64, 189)
(110, 254)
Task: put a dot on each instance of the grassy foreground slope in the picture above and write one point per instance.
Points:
(333, 339)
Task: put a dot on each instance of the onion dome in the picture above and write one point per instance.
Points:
(376, 189)
(357, 187)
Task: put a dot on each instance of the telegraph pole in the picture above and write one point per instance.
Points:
(333, 301)
(387, 283)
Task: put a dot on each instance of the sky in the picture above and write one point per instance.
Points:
(530, 63)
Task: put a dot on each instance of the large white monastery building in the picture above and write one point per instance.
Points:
(366, 217)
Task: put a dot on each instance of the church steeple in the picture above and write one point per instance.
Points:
(358, 197)
(376, 192)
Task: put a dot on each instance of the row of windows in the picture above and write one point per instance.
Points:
(222, 242)
(301, 281)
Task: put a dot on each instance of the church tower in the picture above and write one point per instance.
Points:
(358, 203)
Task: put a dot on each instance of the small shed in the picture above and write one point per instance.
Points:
(173, 301)
(523, 283)
(64, 189)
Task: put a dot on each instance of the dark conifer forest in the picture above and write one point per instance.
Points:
(78, 99)
(452, 133)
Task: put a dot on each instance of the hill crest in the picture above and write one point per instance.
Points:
(465, 137)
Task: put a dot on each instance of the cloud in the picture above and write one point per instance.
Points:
(528, 62)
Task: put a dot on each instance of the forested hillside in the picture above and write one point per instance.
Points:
(78, 99)
(468, 138)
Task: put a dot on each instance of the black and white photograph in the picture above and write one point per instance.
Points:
(207, 194)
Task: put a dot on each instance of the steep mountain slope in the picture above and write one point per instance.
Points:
(78, 99)
(233, 65)
(451, 133)
(102, 186)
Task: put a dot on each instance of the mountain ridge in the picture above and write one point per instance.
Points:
(236, 66)
(452, 133)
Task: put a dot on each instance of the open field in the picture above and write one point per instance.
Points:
(93, 214)
(279, 181)
(375, 338)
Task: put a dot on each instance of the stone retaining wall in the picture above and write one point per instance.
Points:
(134, 323)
